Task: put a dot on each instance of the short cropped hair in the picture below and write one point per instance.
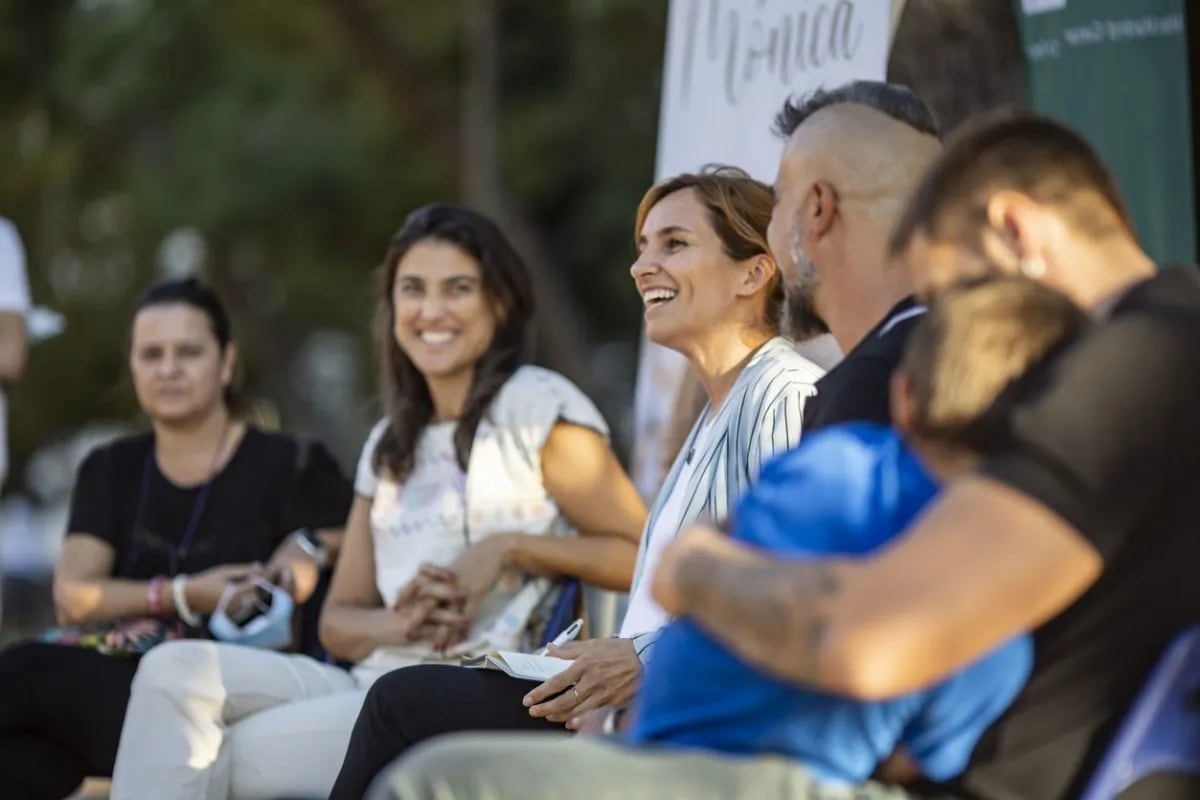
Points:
(975, 341)
(896, 101)
(1019, 151)
(739, 210)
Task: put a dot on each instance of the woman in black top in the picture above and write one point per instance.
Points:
(160, 524)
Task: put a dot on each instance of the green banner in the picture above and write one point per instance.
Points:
(1117, 71)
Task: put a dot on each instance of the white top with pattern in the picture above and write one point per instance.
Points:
(438, 509)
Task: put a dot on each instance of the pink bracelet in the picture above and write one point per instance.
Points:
(154, 595)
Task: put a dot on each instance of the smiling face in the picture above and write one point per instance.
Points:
(179, 369)
(444, 321)
(688, 283)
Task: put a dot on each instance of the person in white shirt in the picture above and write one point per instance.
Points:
(712, 292)
(470, 493)
(14, 340)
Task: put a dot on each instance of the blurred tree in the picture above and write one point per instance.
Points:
(963, 57)
(277, 148)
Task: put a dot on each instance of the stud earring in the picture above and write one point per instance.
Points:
(1032, 267)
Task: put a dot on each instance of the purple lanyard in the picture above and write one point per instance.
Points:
(177, 552)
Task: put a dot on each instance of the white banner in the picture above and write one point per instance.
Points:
(731, 63)
(729, 66)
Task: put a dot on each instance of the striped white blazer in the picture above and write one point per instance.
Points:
(761, 418)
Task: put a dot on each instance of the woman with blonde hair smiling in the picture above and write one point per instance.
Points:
(712, 292)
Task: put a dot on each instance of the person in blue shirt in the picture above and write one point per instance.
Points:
(850, 491)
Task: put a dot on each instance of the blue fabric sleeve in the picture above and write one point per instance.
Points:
(957, 711)
(823, 497)
(643, 645)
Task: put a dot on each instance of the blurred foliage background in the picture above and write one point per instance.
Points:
(275, 147)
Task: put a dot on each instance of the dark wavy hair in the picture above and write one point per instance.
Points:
(507, 285)
(193, 293)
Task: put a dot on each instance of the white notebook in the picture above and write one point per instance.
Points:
(519, 665)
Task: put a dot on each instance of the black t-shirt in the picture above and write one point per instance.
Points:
(1108, 437)
(271, 486)
(857, 389)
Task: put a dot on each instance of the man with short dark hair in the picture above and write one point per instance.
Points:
(998, 173)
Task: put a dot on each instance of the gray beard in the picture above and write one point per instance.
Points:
(800, 318)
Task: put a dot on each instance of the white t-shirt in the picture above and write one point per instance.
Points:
(439, 510)
(14, 297)
(423, 519)
(643, 614)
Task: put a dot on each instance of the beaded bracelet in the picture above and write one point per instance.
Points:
(154, 595)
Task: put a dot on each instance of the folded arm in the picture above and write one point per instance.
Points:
(85, 590)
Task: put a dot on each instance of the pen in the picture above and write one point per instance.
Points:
(568, 634)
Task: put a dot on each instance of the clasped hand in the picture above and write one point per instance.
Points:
(439, 604)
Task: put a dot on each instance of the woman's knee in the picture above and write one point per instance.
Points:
(25, 671)
(383, 692)
(23, 655)
(413, 681)
(403, 691)
(31, 674)
(28, 662)
(179, 667)
(293, 750)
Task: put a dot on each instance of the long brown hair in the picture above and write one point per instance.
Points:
(507, 286)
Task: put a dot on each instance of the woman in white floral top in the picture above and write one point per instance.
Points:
(470, 493)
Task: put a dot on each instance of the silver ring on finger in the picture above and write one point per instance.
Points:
(578, 699)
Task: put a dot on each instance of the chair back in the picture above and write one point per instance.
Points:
(1161, 733)
(565, 611)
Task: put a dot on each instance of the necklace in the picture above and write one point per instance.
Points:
(177, 552)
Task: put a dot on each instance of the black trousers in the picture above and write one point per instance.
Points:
(409, 706)
(61, 710)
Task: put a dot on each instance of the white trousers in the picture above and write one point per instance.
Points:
(209, 721)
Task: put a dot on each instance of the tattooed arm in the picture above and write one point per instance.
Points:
(983, 565)
(773, 613)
